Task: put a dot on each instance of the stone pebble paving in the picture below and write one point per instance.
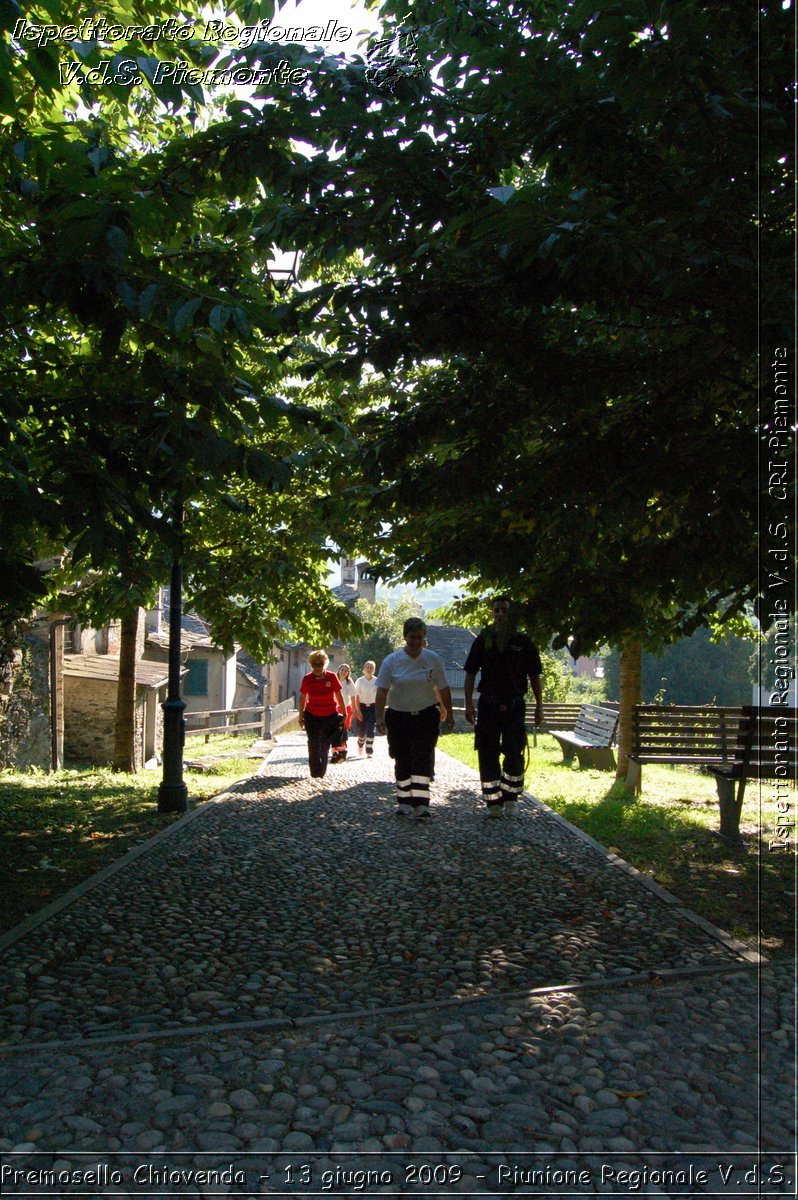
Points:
(315, 913)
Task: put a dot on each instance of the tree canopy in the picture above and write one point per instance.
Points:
(531, 286)
(694, 670)
(143, 359)
(573, 240)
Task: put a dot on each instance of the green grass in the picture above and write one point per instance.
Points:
(670, 832)
(58, 829)
(218, 743)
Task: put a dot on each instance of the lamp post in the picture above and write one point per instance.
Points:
(173, 793)
(281, 269)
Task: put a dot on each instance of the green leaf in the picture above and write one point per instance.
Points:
(9, 13)
(147, 299)
(241, 323)
(117, 241)
(184, 314)
(43, 66)
(219, 316)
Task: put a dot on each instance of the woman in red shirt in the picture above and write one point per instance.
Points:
(320, 707)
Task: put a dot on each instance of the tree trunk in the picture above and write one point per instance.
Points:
(125, 730)
(631, 663)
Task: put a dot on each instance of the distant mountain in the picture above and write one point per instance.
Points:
(429, 598)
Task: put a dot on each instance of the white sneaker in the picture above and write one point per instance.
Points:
(511, 808)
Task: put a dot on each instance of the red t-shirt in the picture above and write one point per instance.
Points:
(321, 693)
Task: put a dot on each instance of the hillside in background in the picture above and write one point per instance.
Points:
(429, 598)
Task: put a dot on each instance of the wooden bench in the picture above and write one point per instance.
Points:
(559, 715)
(681, 735)
(591, 737)
(765, 748)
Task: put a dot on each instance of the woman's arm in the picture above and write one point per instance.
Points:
(446, 697)
(382, 696)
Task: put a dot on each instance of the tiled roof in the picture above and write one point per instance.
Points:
(346, 593)
(250, 669)
(452, 642)
(189, 622)
(106, 667)
(188, 640)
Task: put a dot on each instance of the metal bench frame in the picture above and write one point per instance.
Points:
(767, 741)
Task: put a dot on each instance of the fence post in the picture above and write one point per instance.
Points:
(207, 729)
(235, 722)
(266, 726)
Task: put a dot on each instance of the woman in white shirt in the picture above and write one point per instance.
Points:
(366, 708)
(407, 681)
(348, 697)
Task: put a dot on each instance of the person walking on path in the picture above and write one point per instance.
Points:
(506, 660)
(348, 696)
(407, 680)
(366, 709)
(321, 708)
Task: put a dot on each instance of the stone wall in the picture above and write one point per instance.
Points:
(90, 718)
(25, 706)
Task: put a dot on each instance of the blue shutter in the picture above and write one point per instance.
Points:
(195, 683)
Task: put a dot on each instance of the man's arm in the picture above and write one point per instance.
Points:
(537, 689)
(472, 666)
(468, 689)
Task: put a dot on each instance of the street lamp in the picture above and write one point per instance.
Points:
(173, 793)
(282, 268)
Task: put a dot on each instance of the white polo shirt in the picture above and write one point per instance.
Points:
(366, 689)
(410, 681)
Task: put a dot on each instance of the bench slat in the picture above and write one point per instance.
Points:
(591, 737)
(735, 744)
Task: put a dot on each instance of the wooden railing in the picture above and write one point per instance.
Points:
(230, 722)
(279, 713)
(269, 718)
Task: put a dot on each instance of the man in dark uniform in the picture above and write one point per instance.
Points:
(506, 660)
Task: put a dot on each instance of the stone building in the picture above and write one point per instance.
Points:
(283, 677)
(210, 680)
(25, 726)
(90, 685)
